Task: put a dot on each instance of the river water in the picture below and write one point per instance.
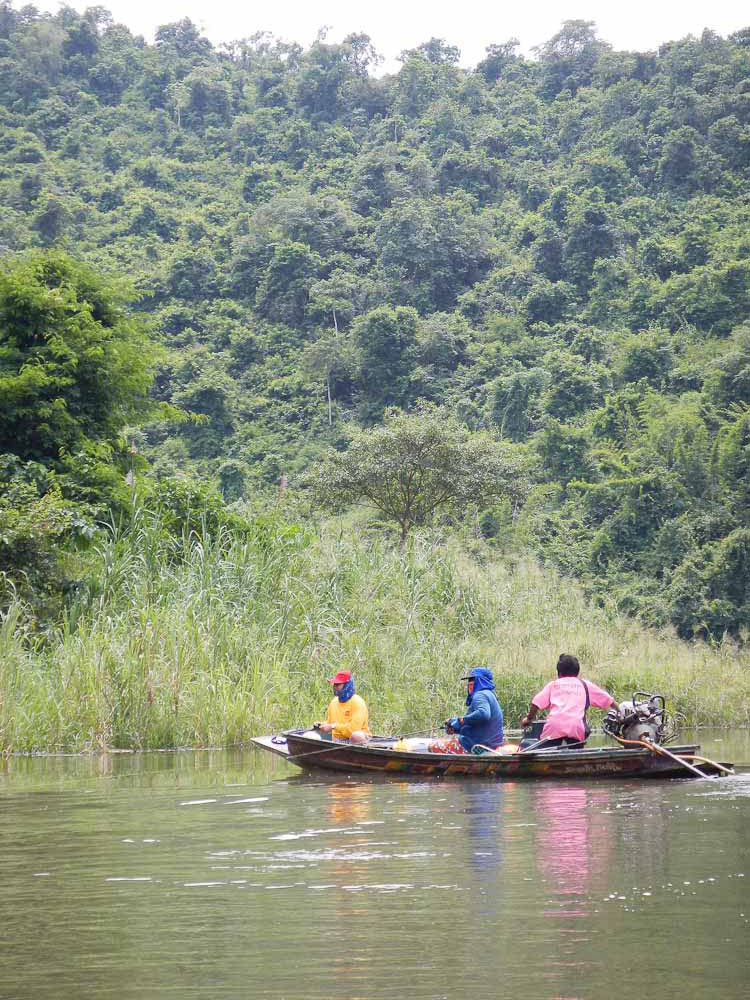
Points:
(229, 874)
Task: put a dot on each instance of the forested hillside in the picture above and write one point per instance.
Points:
(556, 249)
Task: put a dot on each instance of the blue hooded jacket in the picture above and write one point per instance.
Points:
(483, 723)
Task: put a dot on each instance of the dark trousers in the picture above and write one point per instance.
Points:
(562, 741)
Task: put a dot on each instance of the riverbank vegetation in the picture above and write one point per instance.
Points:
(210, 640)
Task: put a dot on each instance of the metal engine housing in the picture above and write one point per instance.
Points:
(641, 718)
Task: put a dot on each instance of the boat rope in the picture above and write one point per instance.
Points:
(314, 753)
(337, 746)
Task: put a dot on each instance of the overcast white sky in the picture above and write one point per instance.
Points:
(393, 26)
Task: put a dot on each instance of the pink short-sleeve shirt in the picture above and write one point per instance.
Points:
(566, 700)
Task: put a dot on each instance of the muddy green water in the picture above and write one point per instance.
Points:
(228, 874)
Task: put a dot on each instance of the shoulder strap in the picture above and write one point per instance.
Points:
(588, 700)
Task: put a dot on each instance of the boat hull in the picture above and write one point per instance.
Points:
(310, 753)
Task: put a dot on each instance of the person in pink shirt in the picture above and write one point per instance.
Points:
(567, 699)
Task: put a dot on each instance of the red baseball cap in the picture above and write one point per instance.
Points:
(341, 677)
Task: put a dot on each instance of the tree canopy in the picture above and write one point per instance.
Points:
(75, 368)
(415, 465)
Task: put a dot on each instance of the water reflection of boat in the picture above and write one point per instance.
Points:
(347, 804)
(306, 750)
(573, 841)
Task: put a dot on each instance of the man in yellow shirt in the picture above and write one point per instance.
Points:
(347, 713)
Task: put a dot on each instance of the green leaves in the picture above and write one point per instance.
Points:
(415, 465)
(555, 248)
(433, 249)
(38, 527)
(74, 367)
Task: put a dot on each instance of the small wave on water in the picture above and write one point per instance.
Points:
(145, 895)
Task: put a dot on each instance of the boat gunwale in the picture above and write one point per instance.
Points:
(582, 754)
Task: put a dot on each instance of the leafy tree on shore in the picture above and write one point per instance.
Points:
(75, 368)
(416, 465)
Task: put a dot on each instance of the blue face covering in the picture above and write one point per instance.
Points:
(483, 681)
(346, 691)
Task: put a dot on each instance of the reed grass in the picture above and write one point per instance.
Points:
(206, 642)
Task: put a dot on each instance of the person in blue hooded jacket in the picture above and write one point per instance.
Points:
(483, 723)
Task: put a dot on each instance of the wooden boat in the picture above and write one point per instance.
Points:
(378, 756)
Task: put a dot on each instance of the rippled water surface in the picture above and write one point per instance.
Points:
(228, 874)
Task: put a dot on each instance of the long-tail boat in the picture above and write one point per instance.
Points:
(385, 755)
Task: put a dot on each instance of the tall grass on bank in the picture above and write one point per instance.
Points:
(189, 642)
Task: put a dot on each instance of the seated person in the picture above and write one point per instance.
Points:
(347, 715)
(483, 723)
(567, 699)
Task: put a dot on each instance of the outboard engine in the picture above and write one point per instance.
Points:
(644, 717)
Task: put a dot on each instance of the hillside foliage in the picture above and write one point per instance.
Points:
(556, 249)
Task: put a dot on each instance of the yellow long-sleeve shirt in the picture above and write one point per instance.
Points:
(348, 716)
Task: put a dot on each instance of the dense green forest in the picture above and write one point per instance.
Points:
(554, 249)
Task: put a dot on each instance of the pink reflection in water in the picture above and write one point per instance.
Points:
(572, 841)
